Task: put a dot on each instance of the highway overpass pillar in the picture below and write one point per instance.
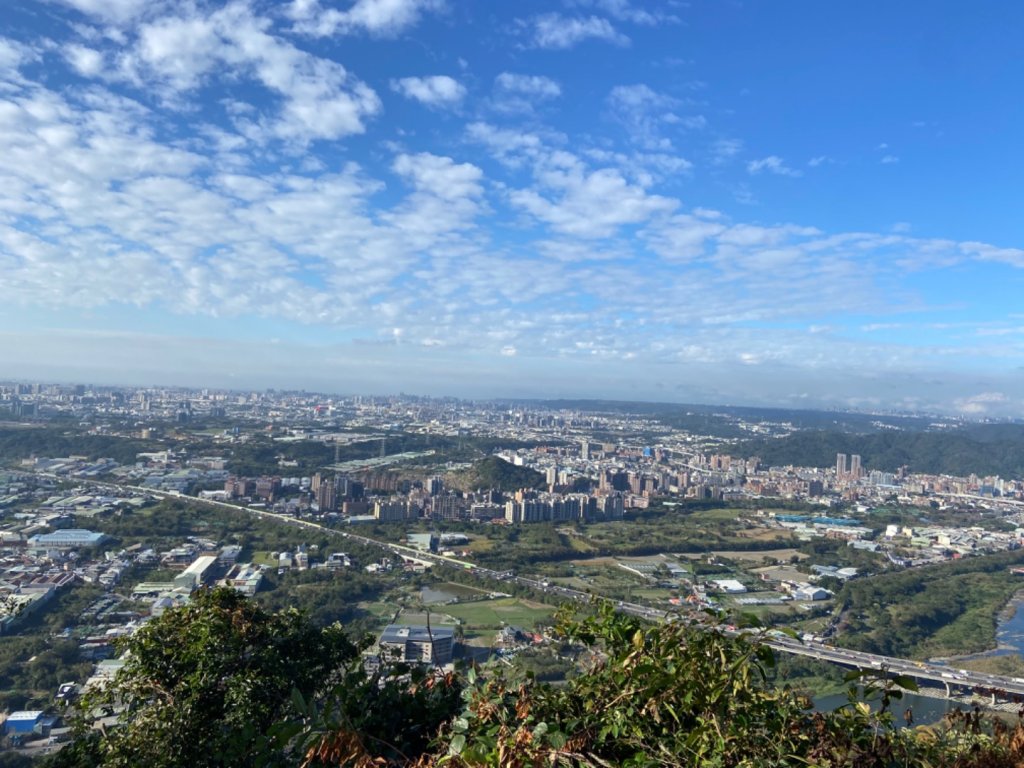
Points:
(949, 691)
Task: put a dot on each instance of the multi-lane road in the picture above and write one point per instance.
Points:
(952, 679)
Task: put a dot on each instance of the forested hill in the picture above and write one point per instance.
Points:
(18, 442)
(494, 472)
(996, 449)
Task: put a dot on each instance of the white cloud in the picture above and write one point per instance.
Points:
(433, 91)
(181, 50)
(724, 150)
(889, 159)
(319, 99)
(113, 11)
(14, 55)
(165, 196)
(378, 17)
(577, 200)
(440, 176)
(982, 403)
(88, 62)
(984, 252)
(522, 94)
(684, 237)
(553, 30)
(771, 164)
(534, 86)
(624, 10)
(512, 147)
(644, 168)
(645, 113)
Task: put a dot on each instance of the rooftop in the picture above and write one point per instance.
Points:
(400, 633)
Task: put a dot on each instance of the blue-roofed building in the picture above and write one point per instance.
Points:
(68, 538)
(27, 722)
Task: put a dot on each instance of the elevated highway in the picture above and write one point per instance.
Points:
(996, 687)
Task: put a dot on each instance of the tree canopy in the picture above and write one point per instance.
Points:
(202, 683)
(222, 682)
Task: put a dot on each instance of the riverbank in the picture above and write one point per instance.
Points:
(1009, 639)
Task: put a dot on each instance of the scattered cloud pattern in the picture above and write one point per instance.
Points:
(203, 173)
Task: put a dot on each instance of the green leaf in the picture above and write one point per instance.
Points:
(905, 681)
(457, 744)
(298, 702)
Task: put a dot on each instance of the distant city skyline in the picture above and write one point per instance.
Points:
(803, 205)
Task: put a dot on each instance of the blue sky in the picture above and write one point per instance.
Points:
(797, 203)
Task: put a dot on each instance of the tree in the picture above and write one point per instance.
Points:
(688, 695)
(202, 684)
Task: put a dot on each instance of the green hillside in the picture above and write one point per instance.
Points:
(494, 472)
(960, 452)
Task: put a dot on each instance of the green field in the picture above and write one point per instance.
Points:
(493, 614)
(261, 557)
(479, 544)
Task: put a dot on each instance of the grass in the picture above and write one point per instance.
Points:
(654, 594)
(262, 557)
(758, 556)
(380, 610)
(714, 515)
(579, 545)
(458, 590)
(765, 612)
(493, 614)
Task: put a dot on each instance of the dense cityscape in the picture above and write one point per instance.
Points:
(402, 487)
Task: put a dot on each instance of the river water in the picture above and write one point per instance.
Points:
(1009, 632)
(1009, 640)
(926, 710)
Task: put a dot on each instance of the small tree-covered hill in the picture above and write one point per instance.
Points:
(495, 472)
(958, 452)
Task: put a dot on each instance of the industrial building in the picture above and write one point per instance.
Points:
(67, 538)
(197, 574)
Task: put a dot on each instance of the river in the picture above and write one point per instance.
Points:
(1009, 640)
(1009, 632)
(926, 709)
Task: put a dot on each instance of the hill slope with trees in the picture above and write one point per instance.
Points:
(960, 452)
(495, 472)
(221, 682)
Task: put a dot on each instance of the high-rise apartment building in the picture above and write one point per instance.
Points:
(840, 465)
(389, 511)
(855, 471)
(327, 496)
